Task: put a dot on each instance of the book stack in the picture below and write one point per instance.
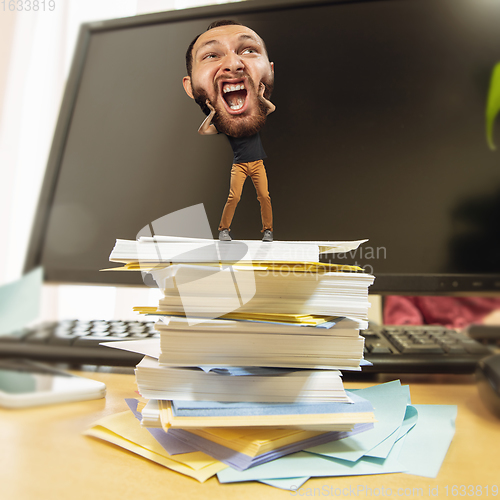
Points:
(154, 249)
(252, 338)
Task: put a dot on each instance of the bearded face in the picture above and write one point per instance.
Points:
(229, 64)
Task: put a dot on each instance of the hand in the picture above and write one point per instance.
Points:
(270, 106)
(210, 107)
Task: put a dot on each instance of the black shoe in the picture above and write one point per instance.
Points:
(268, 236)
(225, 236)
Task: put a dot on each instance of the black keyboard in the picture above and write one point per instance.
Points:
(77, 342)
(391, 349)
(421, 349)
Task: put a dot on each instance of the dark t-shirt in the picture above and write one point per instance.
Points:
(247, 149)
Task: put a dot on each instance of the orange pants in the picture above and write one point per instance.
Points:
(239, 173)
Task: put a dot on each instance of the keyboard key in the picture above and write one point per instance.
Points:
(138, 329)
(416, 333)
(402, 344)
(99, 329)
(437, 334)
(395, 329)
(422, 349)
(424, 340)
(99, 333)
(118, 329)
(120, 335)
(138, 335)
(82, 325)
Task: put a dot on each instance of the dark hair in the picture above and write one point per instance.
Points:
(215, 24)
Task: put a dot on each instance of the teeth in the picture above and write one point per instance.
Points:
(237, 106)
(232, 88)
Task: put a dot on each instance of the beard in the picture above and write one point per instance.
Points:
(244, 125)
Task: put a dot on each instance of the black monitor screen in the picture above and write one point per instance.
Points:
(378, 133)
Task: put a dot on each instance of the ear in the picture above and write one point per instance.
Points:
(186, 82)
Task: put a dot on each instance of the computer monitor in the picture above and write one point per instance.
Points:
(379, 133)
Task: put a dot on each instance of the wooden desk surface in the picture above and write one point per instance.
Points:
(43, 454)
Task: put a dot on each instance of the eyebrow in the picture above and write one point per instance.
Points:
(247, 37)
(241, 38)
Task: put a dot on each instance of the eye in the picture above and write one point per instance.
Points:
(210, 55)
(249, 50)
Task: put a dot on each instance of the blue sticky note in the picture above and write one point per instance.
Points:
(218, 409)
(427, 443)
(291, 484)
(20, 301)
(389, 401)
(383, 449)
(308, 464)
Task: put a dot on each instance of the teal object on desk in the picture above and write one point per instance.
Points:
(20, 301)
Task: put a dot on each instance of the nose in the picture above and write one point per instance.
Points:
(232, 63)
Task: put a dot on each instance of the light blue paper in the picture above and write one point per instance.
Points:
(411, 419)
(427, 443)
(389, 401)
(407, 387)
(384, 448)
(20, 301)
(291, 484)
(219, 409)
(309, 464)
(421, 442)
(419, 451)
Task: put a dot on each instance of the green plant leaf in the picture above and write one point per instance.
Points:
(493, 105)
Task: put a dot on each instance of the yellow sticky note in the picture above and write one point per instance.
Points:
(124, 430)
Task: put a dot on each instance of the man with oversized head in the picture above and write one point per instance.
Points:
(231, 79)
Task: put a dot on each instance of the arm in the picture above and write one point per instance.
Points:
(270, 106)
(207, 127)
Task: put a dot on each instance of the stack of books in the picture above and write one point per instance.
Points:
(252, 340)
(154, 249)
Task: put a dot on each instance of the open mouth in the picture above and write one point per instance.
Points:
(234, 95)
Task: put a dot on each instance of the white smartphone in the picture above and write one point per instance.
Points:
(26, 383)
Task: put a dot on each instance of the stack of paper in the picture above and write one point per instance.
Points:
(244, 380)
(175, 249)
(335, 343)
(244, 384)
(284, 289)
(227, 313)
(252, 338)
